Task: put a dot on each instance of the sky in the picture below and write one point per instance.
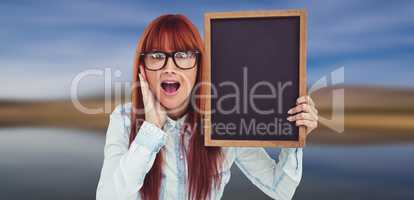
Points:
(46, 44)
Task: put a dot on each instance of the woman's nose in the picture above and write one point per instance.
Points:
(170, 66)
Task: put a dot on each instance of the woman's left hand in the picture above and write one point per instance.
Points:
(304, 113)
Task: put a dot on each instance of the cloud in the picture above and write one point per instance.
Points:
(377, 29)
(390, 72)
(47, 43)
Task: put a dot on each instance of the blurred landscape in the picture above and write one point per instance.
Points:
(372, 115)
(50, 150)
(41, 139)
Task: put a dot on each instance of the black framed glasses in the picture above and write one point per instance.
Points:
(156, 60)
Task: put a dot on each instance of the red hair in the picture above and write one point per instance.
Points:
(176, 32)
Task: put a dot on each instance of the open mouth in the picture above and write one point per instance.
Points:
(170, 87)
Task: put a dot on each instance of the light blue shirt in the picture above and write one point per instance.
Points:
(124, 169)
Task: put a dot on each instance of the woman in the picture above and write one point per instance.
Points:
(162, 156)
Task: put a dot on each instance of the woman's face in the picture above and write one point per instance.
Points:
(171, 85)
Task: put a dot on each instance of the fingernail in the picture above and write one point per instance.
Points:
(289, 118)
(289, 111)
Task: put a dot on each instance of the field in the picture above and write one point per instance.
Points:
(372, 115)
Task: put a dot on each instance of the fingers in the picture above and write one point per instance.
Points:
(154, 111)
(306, 99)
(303, 116)
(304, 113)
(146, 93)
(144, 85)
(309, 105)
(301, 108)
(309, 124)
(142, 72)
(148, 97)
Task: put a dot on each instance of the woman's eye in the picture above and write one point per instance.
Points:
(182, 55)
(157, 56)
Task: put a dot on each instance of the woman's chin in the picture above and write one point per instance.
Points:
(170, 104)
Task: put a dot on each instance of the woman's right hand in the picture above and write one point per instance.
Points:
(154, 112)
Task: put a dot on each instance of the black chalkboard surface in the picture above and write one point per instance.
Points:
(255, 64)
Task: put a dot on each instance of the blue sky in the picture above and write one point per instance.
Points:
(45, 44)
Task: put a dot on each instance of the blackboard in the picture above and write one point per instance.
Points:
(255, 66)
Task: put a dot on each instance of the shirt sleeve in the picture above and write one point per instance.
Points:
(124, 169)
(278, 180)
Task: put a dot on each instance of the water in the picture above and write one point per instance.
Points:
(40, 163)
(49, 163)
(345, 172)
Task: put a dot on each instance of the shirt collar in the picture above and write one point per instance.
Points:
(171, 124)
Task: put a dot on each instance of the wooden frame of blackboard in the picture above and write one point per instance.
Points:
(206, 76)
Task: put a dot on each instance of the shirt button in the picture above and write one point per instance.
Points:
(181, 156)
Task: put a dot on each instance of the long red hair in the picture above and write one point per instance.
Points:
(203, 163)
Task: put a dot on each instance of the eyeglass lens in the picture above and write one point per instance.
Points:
(157, 60)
